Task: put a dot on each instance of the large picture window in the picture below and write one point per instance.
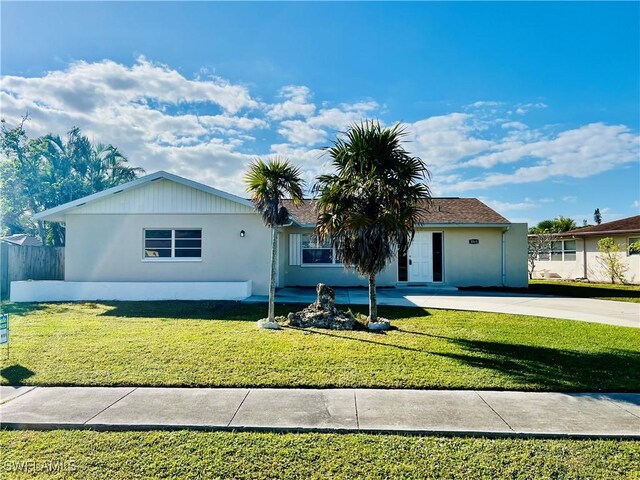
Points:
(316, 252)
(172, 243)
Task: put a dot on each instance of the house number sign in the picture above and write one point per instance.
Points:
(474, 241)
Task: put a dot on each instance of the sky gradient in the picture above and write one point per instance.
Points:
(532, 107)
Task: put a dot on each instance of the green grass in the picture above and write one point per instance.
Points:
(184, 455)
(567, 288)
(218, 344)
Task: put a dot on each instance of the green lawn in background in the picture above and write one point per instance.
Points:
(568, 288)
(217, 344)
(190, 454)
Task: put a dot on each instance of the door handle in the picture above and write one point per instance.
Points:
(410, 262)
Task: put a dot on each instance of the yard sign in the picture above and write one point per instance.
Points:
(4, 328)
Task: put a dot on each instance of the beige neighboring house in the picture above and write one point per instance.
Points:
(23, 240)
(166, 237)
(575, 254)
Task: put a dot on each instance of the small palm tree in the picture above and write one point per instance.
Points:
(369, 207)
(269, 183)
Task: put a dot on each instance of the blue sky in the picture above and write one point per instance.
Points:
(533, 107)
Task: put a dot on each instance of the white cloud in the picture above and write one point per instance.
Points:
(569, 198)
(208, 129)
(486, 103)
(501, 206)
(300, 132)
(84, 87)
(444, 141)
(296, 103)
(524, 108)
(514, 125)
(577, 153)
(315, 129)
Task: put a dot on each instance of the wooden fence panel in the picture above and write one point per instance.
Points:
(29, 263)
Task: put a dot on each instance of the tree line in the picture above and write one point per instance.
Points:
(43, 172)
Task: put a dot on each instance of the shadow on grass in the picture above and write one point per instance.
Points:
(551, 368)
(193, 310)
(16, 374)
(228, 310)
(329, 333)
(565, 290)
(23, 308)
(390, 312)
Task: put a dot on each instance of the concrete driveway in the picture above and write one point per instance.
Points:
(623, 314)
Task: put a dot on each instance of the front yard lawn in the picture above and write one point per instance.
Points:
(218, 344)
(191, 454)
(567, 288)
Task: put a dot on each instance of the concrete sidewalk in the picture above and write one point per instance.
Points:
(623, 314)
(459, 412)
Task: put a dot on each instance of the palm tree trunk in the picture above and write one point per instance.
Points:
(373, 305)
(272, 280)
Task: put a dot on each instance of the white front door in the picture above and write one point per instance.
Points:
(421, 258)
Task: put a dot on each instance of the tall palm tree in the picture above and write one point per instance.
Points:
(369, 207)
(269, 183)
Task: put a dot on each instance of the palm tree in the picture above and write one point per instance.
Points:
(269, 183)
(369, 207)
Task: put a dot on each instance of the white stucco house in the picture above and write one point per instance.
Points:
(574, 254)
(165, 237)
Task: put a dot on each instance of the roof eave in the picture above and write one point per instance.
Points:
(436, 225)
(603, 232)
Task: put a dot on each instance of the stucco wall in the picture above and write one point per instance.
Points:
(336, 276)
(594, 272)
(464, 264)
(109, 248)
(517, 272)
(472, 265)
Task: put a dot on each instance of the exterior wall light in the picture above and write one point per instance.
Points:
(242, 233)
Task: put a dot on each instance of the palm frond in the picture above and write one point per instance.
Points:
(271, 182)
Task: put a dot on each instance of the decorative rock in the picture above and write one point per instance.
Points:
(265, 323)
(323, 313)
(381, 324)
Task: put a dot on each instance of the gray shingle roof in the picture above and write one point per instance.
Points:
(441, 211)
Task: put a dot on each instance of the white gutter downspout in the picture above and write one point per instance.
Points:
(504, 257)
(584, 257)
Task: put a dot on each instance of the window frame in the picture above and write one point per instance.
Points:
(547, 256)
(629, 242)
(172, 249)
(334, 256)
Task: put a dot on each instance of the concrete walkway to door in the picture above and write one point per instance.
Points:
(623, 314)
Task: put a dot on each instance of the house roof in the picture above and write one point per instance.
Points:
(57, 214)
(624, 225)
(445, 211)
(23, 239)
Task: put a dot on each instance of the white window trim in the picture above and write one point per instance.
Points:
(564, 251)
(146, 259)
(629, 242)
(318, 265)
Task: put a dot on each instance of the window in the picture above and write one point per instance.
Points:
(631, 243)
(172, 243)
(561, 250)
(569, 250)
(316, 252)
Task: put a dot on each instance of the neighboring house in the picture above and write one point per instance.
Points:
(165, 237)
(574, 254)
(23, 240)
